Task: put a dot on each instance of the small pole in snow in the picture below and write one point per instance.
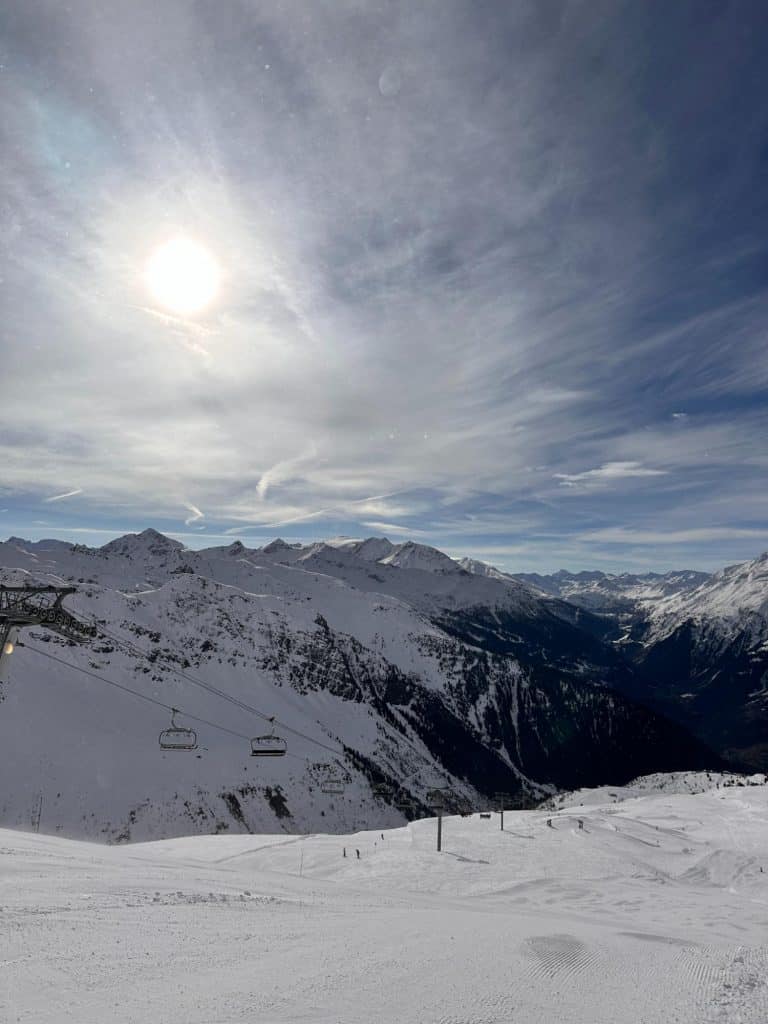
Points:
(439, 830)
(501, 799)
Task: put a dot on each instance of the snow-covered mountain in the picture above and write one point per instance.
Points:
(391, 663)
(727, 597)
(705, 654)
(615, 594)
(696, 644)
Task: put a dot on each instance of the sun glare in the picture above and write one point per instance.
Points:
(183, 276)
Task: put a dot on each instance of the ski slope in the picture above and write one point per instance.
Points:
(656, 911)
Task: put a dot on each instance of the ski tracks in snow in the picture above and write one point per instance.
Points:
(734, 983)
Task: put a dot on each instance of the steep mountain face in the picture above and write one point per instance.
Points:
(704, 653)
(391, 663)
(697, 645)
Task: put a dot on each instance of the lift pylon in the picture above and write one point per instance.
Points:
(38, 606)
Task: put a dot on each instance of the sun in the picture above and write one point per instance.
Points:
(183, 276)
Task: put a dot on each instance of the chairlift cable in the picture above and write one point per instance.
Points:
(135, 693)
(151, 700)
(222, 694)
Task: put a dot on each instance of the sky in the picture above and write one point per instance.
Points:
(492, 276)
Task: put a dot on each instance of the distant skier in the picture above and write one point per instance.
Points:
(549, 822)
(581, 823)
(358, 854)
(345, 852)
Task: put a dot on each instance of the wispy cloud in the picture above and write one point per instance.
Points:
(628, 536)
(283, 470)
(489, 287)
(608, 472)
(195, 514)
(61, 497)
(408, 531)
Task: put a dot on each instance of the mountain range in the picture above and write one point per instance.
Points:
(389, 669)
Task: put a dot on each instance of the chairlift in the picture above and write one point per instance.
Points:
(408, 808)
(270, 745)
(176, 737)
(438, 798)
(333, 785)
(332, 782)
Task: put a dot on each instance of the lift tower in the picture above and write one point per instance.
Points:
(38, 606)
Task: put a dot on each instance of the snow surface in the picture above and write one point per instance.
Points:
(656, 911)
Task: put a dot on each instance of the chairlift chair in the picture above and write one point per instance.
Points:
(404, 801)
(332, 785)
(332, 782)
(176, 737)
(270, 745)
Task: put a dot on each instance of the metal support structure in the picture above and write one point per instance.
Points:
(42, 606)
(437, 797)
(21, 607)
(501, 799)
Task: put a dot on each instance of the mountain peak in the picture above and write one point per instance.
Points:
(373, 549)
(149, 541)
(276, 546)
(411, 555)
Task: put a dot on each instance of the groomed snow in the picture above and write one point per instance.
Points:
(656, 911)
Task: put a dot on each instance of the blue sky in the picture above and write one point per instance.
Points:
(493, 275)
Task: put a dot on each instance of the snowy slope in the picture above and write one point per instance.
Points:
(390, 672)
(653, 912)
